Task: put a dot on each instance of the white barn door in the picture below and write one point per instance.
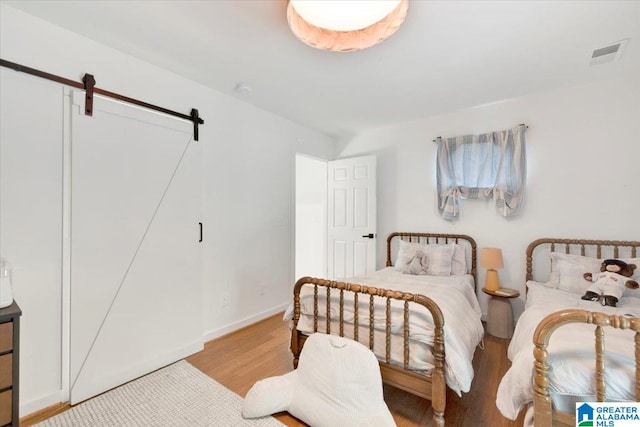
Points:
(135, 254)
(352, 217)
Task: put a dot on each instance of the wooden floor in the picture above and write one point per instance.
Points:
(261, 350)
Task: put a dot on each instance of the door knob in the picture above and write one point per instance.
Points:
(369, 236)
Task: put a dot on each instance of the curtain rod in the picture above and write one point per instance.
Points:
(521, 124)
(87, 85)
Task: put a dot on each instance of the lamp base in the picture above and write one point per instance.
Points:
(492, 282)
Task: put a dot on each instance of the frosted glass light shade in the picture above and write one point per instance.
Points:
(346, 25)
(344, 15)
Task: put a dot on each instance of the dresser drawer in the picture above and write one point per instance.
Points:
(5, 407)
(6, 336)
(9, 365)
(6, 366)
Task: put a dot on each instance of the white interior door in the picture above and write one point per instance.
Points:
(352, 217)
(135, 252)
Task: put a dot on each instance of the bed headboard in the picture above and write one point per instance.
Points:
(538, 252)
(434, 238)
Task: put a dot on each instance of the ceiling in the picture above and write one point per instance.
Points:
(448, 55)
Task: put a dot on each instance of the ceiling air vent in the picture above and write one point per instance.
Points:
(608, 53)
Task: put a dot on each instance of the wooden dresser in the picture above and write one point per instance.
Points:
(9, 364)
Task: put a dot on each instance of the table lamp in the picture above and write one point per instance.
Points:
(491, 259)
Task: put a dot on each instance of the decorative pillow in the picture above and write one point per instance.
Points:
(269, 396)
(418, 264)
(337, 383)
(567, 271)
(439, 258)
(406, 253)
(459, 259)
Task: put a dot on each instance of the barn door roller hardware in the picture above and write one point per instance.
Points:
(89, 82)
(88, 85)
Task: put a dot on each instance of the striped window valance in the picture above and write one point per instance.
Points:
(491, 165)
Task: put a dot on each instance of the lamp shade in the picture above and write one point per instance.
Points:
(491, 258)
(327, 25)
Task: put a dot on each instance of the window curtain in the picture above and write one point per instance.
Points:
(491, 165)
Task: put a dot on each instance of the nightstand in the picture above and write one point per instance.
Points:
(500, 313)
(9, 369)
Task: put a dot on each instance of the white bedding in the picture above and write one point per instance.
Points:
(454, 295)
(571, 353)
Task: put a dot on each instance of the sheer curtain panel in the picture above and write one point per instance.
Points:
(491, 165)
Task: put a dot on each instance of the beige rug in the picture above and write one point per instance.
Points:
(178, 395)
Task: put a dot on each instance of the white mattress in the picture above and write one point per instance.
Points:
(571, 353)
(454, 295)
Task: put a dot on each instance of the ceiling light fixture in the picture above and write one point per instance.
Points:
(345, 25)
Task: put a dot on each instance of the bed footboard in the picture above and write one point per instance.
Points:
(544, 415)
(430, 387)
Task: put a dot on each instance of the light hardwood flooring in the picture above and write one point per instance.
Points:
(261, 350)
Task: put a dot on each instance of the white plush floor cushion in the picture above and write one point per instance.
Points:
(337, 383)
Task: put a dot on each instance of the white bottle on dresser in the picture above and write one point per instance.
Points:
(6, 291)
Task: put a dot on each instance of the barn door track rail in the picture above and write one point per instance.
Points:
(88, 85)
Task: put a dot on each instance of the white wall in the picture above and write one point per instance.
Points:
(31, 171)
(248, 186)
(583, 176)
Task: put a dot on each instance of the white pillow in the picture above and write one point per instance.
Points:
(406, 252)
(567, 271)
(459, 259)
(337, 383)
(442, 260)
(269, 396)
(439, 257)
(418, 264)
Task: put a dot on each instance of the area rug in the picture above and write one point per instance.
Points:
(178, 395)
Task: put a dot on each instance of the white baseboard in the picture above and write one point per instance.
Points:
(42, 402)
(216, 333)
(61, 396)
(132, 371)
